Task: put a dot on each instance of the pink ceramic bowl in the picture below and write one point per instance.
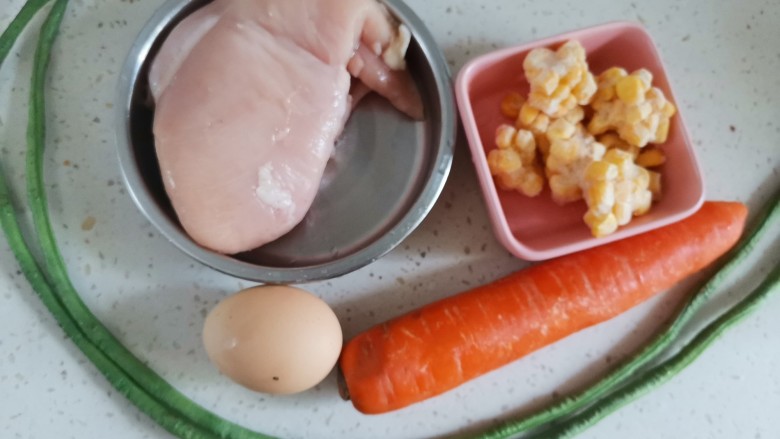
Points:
(537, 228)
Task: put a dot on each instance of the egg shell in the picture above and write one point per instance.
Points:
(273, 339)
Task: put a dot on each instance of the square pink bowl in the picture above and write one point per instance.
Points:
(537, 228)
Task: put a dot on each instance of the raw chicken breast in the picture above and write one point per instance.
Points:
(250, 97)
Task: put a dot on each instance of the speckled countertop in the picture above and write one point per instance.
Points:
(722, 58)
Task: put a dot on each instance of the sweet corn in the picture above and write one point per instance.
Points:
(560, 80)
(631, 89)
(622, 160)
(624, 190)
(612, 140)
(609, 171)
(576, 115)
(622, 212)
(524, 143)
(619, 187)
(630, 105)
(548, 82)
(514, 162)
(561, 129)
(511, 104)
(601, 225)
(651, 157)
(642, 201)
(601, 197)
(528, 181)
(601, 170)
(504, 161)
(605, 85)
(572, 150)
(662, 132)
(565, 151)
(532, 119)
(505, 135)
(641, 177)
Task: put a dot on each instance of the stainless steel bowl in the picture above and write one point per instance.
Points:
(384, 178)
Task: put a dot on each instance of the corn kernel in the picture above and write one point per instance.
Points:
(567, 104)
(633, 137)
(541, 123)
(626, 168)
(575, 115)
(624, 190)
(669, 109)
(604, 94)
(524, 141)
(622, 212)
(601, 171)
(542, 102)
(505, 136)
(548, 81)
(504, 161)
(618, 157)
(601, 225)
(585, 90)
(532, 183)
(560, 129)
(641, 178)
(573, 76)
(598, 124)
(532, 119)
(637, 113)
(564, 150)
(528, 114)
(630, 90)
(662, 133)
(645, 77)
(525, 144)
(597, 151)
(612, 74)
(642, 201)
(601, 197)
(573, 49)
(507, 182)
(612, 140)
(651, 157)
(511, 104)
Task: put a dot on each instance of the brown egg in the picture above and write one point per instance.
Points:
(273, 339)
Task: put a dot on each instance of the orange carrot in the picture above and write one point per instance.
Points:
(446, 343)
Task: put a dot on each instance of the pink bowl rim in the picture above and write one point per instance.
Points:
(498, 218)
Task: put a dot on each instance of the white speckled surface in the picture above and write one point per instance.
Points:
(722, 58)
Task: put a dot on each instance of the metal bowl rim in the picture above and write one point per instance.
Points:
(424, 202)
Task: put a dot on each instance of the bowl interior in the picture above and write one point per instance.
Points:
(384, 175)
(541, 227)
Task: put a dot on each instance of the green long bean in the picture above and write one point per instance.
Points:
(161, 414)
(140, 375)
(767, 215)
(179, 415)
(17, 25)
(666, 370)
